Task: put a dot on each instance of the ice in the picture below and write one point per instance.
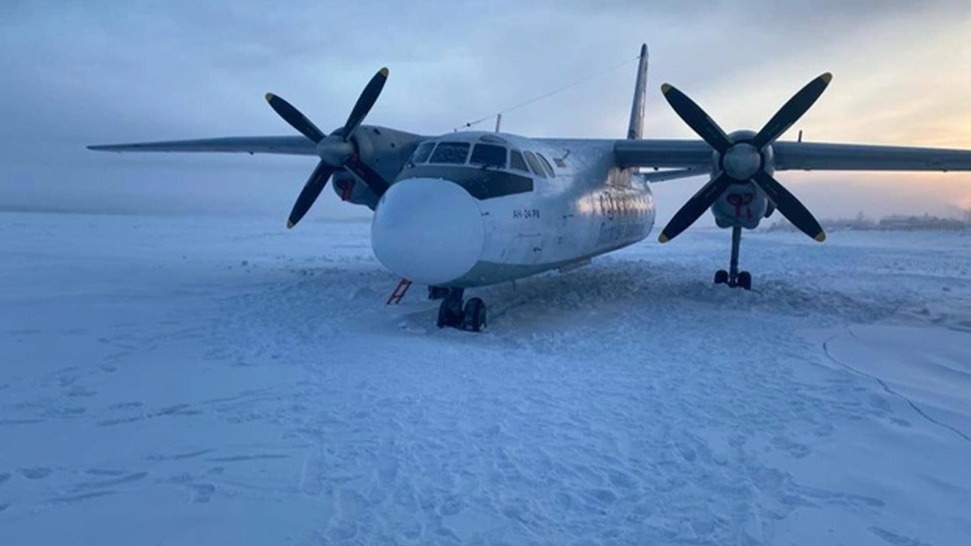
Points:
(192, 380)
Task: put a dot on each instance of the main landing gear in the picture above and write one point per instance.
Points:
(733, 277)
(452, 313)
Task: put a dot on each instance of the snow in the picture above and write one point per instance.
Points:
(190, 380)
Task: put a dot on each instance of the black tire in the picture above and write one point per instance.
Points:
(449, 313)
(744, 280)
(721, 277)
(475, 315)
(443, 316)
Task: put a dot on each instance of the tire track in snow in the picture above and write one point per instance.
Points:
(888, 389)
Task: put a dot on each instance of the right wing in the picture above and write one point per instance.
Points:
(690, 155)
(286, 145)
(671, 174)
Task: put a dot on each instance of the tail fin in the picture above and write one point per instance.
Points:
(636, 127)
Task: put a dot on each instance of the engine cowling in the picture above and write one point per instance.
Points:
(743, 204)
(384, 150)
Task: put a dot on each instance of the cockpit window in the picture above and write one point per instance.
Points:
(421, 154)
(517, 162)
(534, 164)
(450, 152)
(489, 155)
(546, 166)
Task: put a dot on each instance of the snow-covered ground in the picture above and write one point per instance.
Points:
(224, 381)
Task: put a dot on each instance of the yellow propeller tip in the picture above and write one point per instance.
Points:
(663, 238)
(665, 87)
(827, 77)
(290, 224)
(269, 97)
(821, 236)
(384, 72)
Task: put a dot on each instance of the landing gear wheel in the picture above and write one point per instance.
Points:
(744, 280)
(444, 317)
(733, 277)
(474, 315)
(450, 312)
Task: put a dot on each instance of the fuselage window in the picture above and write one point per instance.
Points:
(450, 152)
(488, 155)
(546, 165)
(534, 164)
(421, 154)
(516, 161)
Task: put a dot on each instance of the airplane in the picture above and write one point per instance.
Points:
(470, 209)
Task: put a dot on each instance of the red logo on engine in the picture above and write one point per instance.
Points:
(739, 201)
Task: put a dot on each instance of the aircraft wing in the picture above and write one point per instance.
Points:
(813, 156)
(671, 174)
(286, 145)
(809, 156)
(662, 154)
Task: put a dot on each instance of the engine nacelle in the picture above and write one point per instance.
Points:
(743, 204)
(384, 150)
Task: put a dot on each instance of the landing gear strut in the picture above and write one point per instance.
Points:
(733, 277)
(452, 313)
(437, 292)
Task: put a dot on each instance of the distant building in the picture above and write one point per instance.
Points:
(925, 222)
(890, 223)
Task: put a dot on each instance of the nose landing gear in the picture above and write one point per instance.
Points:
(733, 277)
(451, 312)
(437, 292)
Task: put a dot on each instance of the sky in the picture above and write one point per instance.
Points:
(103, 71)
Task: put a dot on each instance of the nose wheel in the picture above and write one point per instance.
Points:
(455, 313)
(733, 277)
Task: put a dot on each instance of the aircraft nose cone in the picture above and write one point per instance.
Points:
(427, 230)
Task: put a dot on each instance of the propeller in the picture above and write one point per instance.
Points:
(744, 160)
(336, 150)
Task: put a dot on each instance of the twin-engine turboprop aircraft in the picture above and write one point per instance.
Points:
(471, 209)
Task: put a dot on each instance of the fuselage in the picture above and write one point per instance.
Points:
(473, 209)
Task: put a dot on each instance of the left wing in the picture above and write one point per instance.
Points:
(661, 154)
(287, 145)
(810, 156)
(813, 156)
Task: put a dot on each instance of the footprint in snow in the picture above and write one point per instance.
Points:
(78, 498)
(37, 473)
(202, 492)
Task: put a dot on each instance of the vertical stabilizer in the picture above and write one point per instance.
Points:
(635, 128)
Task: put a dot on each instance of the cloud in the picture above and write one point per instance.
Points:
(106, 72)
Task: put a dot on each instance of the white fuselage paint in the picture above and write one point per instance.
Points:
(588, 208)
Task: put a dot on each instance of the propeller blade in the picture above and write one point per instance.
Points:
(293, 116)
(791, 111)
(365, 102)
(311, 190)
(374, 181)
(789, 206)
(696, 118)
(695, 207)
